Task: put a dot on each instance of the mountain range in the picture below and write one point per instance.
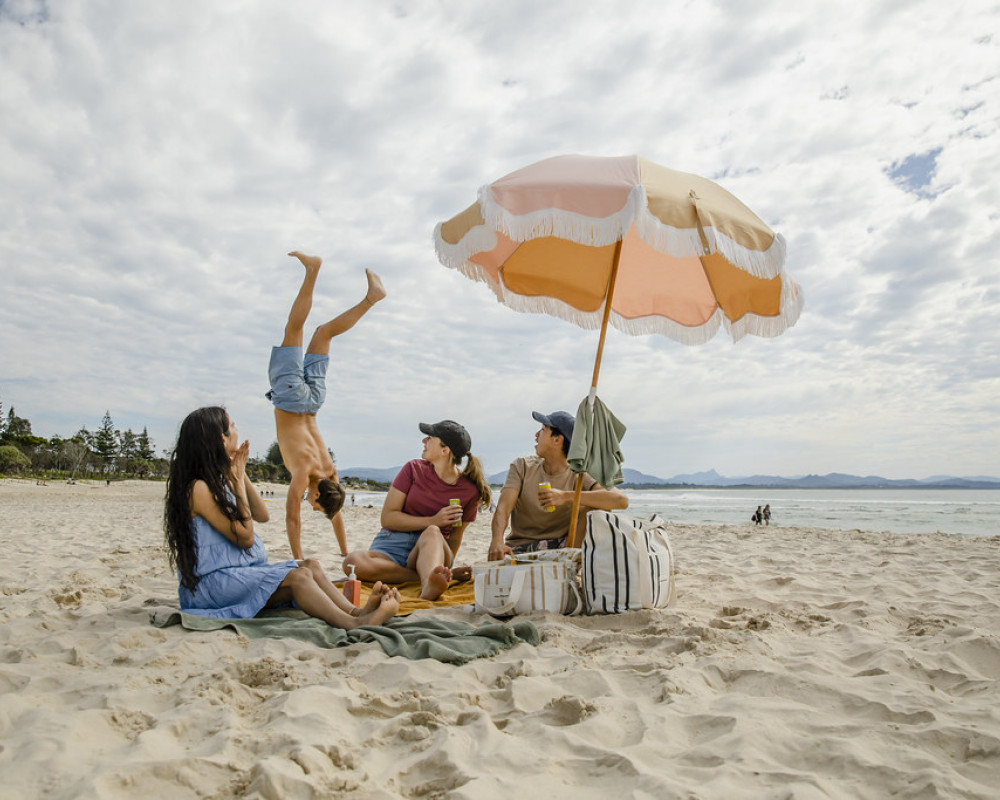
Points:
(711, 478)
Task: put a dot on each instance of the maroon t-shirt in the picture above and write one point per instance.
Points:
(426, 493)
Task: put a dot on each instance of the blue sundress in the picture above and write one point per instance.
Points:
(233, 583)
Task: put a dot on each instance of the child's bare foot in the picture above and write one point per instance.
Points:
(436, 583)
(376, 291)
(311, 263)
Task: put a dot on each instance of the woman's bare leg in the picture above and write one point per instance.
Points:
(301, 587)
(431, 558)
(370, 565)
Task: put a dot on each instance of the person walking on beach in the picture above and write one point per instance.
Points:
(767, 514)
(209, 514)
(757, 517)
(425, 513)
(539, 517)
(298, 389)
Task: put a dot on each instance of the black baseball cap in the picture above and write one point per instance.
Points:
(453, 435)
(560, 421)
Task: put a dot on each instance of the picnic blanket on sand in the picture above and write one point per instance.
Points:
(443, 640)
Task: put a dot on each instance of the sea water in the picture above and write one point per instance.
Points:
(970, 512)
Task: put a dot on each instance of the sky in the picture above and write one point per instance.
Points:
(158, 160)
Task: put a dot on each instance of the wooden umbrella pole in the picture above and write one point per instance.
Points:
(571, 538)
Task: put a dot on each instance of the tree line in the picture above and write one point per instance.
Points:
(106, 453)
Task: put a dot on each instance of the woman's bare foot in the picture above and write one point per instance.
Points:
(388, 606)
(436, 583)
(373, 599)
(376, 291)
(311, 263)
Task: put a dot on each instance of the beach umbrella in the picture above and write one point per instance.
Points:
(623, 240)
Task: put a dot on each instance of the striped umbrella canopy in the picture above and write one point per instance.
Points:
(625, 241)
(661, 251)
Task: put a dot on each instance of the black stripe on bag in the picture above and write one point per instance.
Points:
(618, 538)
(591, 590)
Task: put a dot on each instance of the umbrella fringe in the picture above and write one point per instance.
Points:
(594, 232)
(678, 242)
(479, 239)
(791, 303)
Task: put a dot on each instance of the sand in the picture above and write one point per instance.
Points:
(795, 663)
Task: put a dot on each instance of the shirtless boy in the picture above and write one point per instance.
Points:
(298, 389)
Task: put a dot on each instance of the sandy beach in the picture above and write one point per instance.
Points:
(796, 662)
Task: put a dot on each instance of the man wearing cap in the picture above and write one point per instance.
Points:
(523, 503)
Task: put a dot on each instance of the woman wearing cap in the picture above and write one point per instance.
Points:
(421, 528)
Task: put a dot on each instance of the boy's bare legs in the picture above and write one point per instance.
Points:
(303, 300)
(320, 342)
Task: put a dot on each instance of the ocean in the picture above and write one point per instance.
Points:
(968, 512)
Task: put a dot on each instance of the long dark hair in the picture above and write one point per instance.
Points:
(200, 454)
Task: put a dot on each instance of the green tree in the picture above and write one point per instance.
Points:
(106, 442)
(147, 452)
(15, 427)
(12, 459)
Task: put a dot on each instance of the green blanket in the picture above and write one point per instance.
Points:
(450, 642)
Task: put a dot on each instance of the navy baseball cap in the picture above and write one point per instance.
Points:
(560, 421)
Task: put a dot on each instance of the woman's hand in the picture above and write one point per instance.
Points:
(448, 517)
(238, 463)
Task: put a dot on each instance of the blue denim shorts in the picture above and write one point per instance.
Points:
(396, 544)
(298, 383)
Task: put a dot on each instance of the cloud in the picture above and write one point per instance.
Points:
(156, 163)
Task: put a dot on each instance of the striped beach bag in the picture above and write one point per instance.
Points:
(627, 563)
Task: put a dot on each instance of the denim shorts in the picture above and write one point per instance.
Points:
(298, 383)
(396, 544)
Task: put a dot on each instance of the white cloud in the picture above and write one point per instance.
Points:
(156, 161)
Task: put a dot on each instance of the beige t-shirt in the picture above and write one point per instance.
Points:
(529, 521)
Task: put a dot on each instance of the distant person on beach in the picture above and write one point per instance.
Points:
(426, 511)
(757, 517)
(222, 567)
(298, 389)
(767, 514)
(539, 518)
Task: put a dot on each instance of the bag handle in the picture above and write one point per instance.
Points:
(516, 590)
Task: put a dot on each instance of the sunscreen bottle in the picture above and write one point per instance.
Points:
(352, 588)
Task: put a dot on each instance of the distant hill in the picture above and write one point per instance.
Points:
(711, 478)
(833, 480)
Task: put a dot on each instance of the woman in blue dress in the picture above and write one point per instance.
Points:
(209, 516)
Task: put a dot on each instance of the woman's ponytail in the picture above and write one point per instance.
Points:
(474, 472)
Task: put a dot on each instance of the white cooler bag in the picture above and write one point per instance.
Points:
(627, 563)
(549, 583)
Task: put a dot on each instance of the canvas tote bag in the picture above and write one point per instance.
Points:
(627, 563)
(545, 581)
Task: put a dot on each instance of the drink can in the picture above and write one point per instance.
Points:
(547, 485)
(455, 502)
